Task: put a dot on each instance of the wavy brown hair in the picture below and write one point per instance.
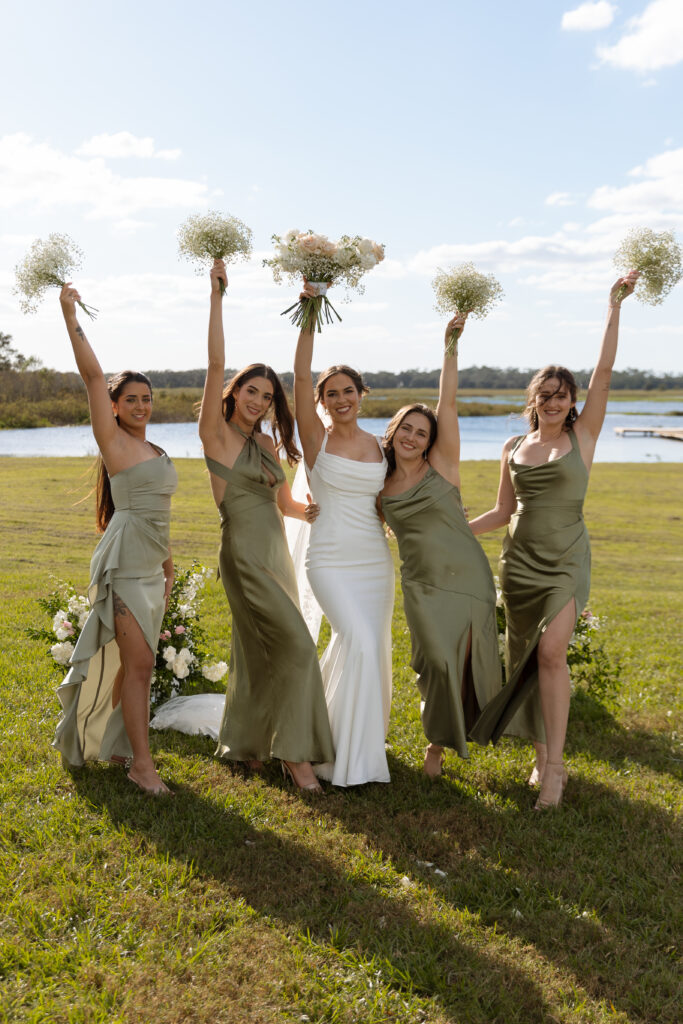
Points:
(566, 378)
(279, 414)
(396, 421)
(104, 503)
(331, 371)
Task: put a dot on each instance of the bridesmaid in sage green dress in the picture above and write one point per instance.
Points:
(275, 705)
(105, 695)
(545, 562)
(448, 590)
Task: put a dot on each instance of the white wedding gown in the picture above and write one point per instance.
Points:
(351, 573)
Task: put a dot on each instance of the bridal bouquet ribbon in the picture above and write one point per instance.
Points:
(48, 264)
(204, 238)
(321, 263)
(464, 290)
(657, 257)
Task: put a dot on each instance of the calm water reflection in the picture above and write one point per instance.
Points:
(482, 437)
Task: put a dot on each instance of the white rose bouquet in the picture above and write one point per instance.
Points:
(321, 263)
(464, 290)
(48, 264)
(658, 259)
(204, 238)
(179, 666)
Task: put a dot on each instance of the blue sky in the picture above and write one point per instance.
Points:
(526, 137)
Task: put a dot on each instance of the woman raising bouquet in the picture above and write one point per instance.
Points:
(545, 562)
(448, 590)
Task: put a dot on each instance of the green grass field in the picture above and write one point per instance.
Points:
(241, 901)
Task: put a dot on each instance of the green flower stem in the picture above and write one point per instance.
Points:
(453, 341)
(621, 295)
(312, 312)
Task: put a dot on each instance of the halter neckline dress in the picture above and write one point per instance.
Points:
(274, 704)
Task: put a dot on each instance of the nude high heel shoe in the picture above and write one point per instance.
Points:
(311, 787)
(552, 787)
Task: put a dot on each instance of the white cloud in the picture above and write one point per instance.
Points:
(124, 144)
(659, 189)
(589, 16)
(559, 199)
(36, 174)
(653, 40)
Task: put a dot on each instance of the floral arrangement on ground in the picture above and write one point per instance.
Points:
(181, 664)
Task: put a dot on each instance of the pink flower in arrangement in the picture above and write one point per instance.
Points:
(178, 630)
(166, 635)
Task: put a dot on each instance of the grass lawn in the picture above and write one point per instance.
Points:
(241, 901)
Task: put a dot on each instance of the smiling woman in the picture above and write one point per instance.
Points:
(545, 562)
(105, 696)
(349, 566)
(274, 704)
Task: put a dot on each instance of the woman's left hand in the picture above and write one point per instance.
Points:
(622, 288)
(312, 510)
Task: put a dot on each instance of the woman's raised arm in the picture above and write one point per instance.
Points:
(445, 454)
(592, 415)
(211, 422)
(104, 425)
(311, 430)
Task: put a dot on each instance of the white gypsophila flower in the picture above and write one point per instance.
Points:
(657, 257)
(48, 264)
(169, 654)
(203, 238)
(62, 652)
(463, 289)
(214, 673)
(79, 608)
(62, 626)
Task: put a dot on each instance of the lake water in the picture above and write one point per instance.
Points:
(482, 437)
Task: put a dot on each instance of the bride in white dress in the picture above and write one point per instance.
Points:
(349, 567)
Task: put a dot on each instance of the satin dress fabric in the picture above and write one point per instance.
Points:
(274, 704)
(449, 597)
(351, 573)
(127, 562)
(544, 565)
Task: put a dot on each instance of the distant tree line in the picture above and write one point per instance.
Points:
(31, 395)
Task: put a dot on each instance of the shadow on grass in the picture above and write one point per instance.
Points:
(593, 728)
(332, 903)
(589, 886)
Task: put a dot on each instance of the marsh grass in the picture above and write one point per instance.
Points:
(240, 901)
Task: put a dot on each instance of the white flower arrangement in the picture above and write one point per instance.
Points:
(48, 264)
(658, 259)
(179, 668)
(203, 238)
(322, 263)
(464, 290)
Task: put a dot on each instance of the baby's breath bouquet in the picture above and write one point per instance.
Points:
(464, 290)
(48, 264)
(321, 263)
(204, 238)
(657, 257)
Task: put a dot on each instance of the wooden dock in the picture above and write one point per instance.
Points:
(670, 433)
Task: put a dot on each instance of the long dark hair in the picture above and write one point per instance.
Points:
(279, 414)
(104, 503)
(396, 421)
(566, 378)
(331, 371)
